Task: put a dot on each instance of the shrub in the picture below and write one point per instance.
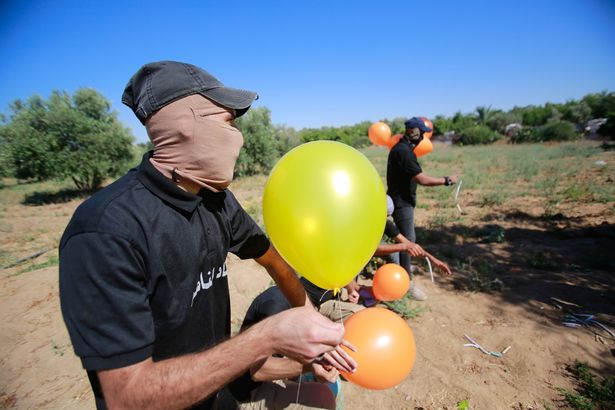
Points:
(478, 134)
(552, 131)
(608, 128)
(557, 131)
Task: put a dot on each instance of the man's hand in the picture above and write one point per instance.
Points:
(414, 249)
(353, 291)
(453, 179)
(339, 359)
(442, 266)
(353, 296)
(303, 334)
(324, 373)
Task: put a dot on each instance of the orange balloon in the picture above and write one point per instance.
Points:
(391, 281)
(379, 133)
(424, 147)
(393, 141)
(385, 348)
(430, 125)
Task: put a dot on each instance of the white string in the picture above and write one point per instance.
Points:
(457, 194)
(430, 270)
(298, 389)
(339, 305)
(323, 295)
(458, 188)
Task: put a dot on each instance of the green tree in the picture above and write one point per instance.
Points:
(259, 150)
(397, 125)
(354, 135)
(74, 137)
(578, 112)
(442, 124)
(498, 121)
(6, 168)
(532, 115)
(461, 122)
(483, 114)
(608, 129)
(600, 103)
(287, 138)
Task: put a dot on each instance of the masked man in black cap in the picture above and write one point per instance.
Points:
(403, 175)
(143, 279)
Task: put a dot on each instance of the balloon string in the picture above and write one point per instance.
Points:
(430, 270)
(339, 305)
(457, 194)
(323, 295)
(298, 389)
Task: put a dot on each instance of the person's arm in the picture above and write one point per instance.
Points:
(277, 368)
(293, 290)
(300, 333)
(426, 180)
(353, 291)
(403, 245)
(439, 264)
(284, 276)
(410, 247)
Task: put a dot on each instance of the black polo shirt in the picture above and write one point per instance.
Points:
(143, 274)
(402, 166)
(390, 229)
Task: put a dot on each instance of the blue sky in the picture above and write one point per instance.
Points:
(319, 63)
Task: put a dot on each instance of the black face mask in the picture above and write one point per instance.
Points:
(414, 136)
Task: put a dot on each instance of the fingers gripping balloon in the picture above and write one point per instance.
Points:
(324, 209)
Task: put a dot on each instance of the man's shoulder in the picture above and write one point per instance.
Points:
(402, 152)
(108, 210)
(401, 148)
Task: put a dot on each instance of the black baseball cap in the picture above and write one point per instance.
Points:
(416, 122)
(158, 84)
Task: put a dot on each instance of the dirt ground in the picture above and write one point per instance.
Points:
(544, 267)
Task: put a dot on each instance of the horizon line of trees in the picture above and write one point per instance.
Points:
(80, 137)
(536, 123)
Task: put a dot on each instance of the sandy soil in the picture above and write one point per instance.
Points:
(39, 370)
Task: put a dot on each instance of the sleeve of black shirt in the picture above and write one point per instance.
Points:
(104, 301)
(268, 303)
(317, 295)
(247, 240)
(410, 163)
(390, 229)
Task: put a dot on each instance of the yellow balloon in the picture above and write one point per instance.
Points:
(324, 208)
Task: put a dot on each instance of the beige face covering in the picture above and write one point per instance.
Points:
(190, 144)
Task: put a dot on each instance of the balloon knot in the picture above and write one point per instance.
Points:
(336, 291)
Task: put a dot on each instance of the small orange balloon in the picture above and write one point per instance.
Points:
(393, 141)
(424, 147)
(379, 133)
(391, 282)
(385, 348)
(430, 125)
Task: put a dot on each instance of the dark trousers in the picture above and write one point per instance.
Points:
(404, 219)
